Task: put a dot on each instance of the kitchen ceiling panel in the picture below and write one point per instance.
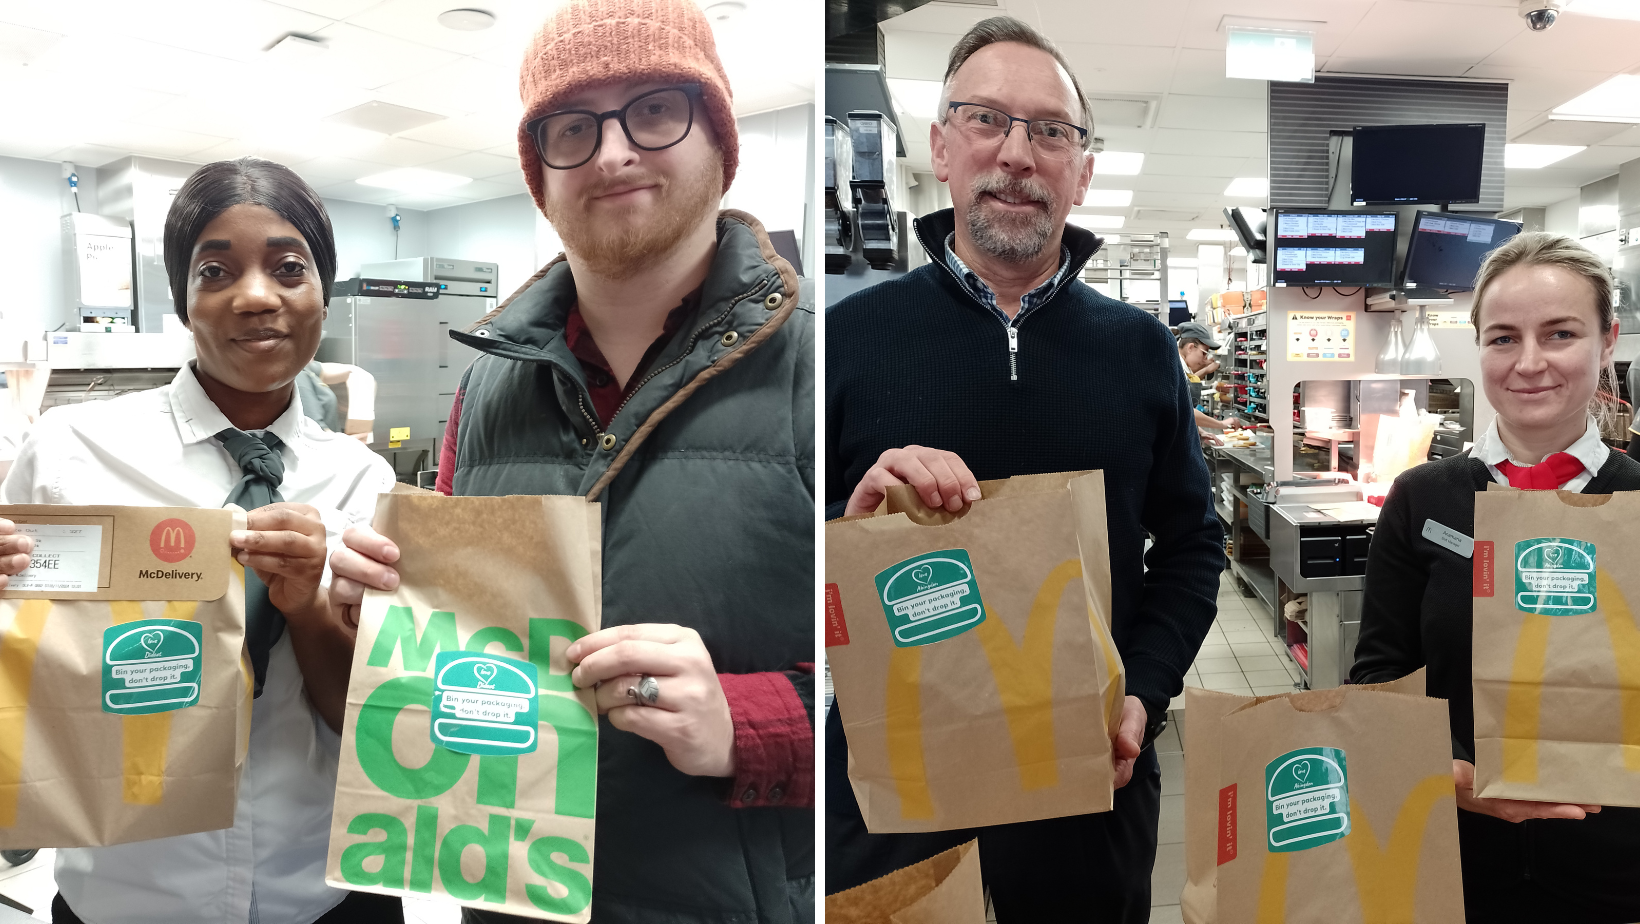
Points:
(1214, 113)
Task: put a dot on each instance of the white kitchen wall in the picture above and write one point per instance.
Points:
(1561, 218)
(775, 180)
(364, 234)
(33, 199)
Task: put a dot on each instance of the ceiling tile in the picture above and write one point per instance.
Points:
(1224, 143)
(1214, 113)
(330, 9)
(1572, 44)
(1153, 22)
(1553, 132)
(1197, 166)
(459, 88)
(88, 155)
(1429, 33)
(417, 21)
(916, 55)
(358, 57)
(480, 131)
(1200, 72)
(478, 166)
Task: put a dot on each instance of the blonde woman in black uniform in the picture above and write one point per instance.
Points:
(1544, 325)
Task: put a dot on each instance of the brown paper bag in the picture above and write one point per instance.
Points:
(125, 696)
(469, 761)
(1324, 806)
(972, 657)
(1556, 649)
(944, 889)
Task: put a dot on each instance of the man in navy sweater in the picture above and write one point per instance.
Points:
(994, 360)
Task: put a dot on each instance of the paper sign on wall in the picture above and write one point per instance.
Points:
(1321, 336)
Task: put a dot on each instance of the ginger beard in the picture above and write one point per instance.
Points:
(1014, 237)
(617, 243)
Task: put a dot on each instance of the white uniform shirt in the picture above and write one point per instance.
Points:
(1588, 449)
(157, 448)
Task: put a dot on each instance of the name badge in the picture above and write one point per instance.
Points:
(1447, 537)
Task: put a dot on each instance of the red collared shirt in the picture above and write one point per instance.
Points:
(607, 394)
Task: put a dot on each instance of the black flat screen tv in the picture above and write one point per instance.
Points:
(1249, 225)
(1311, 247)
(1446, 249)
(1405, 164)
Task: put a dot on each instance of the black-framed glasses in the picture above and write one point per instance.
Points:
(652, 122)
(986, 125)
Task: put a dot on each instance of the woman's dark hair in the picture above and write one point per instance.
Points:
(215, 188)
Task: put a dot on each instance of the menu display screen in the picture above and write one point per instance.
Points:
(1319, 248)
(1446, 250)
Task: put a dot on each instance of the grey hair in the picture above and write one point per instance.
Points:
(1542, 248)
(1008, 29)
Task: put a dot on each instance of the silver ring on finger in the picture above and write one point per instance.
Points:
(647, 691)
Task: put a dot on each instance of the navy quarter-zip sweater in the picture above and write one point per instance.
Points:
(918, 360)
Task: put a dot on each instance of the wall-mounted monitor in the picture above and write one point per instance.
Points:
(1249, 225)
(1329, 248)
(1446, 249)
(1406, 164)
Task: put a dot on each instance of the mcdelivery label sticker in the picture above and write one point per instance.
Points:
(484, 705)
(1555, 577)
(151, 665)
(930, 598)
(1307, 799)
(836, 625)
(65, 558)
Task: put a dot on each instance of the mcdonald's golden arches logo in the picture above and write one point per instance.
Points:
(172, 540)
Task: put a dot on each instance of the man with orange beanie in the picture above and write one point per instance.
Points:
(662, 366)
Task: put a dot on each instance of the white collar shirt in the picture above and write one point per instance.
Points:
(1589, 449)
(158, 448)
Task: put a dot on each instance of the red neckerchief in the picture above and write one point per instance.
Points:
(1547, 475)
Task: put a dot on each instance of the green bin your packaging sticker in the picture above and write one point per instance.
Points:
(1307, 799)
(484, 705)
(1555, 577)
(930, 598)
(151, 665)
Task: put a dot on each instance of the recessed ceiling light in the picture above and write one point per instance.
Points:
(1270, 55)
(1248, 187)
(1210, 234)
(1097, 222)
(920, 98)
(724, 11)
(293, 46)
(466, 20)
(1108, 197)
(1616, 100)
(1118, 163)
(414, 179)
(1533, 156)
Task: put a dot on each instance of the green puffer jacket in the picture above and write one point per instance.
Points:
(706, 480)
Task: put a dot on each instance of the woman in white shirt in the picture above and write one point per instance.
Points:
(251, 257)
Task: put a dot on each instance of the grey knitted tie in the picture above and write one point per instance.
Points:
(262, 470)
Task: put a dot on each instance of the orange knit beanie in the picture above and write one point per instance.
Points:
(588, 42)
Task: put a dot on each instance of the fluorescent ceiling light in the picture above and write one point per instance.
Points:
(1248, 187)
(1108, 197)
(1616, 100)
(1118, 163)
(1606, 9)
(1533, 156)
(414, 179)
(1113, 239)
(1181, 262)
(1270, 55)
(1210, 234)
(1097, 222)
(920, 98)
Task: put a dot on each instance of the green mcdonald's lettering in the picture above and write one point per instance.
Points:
(373, 740)
(399, 631)
(542, 632)
(490, 887)
(421, 857)
(543, 856)
(498, 781)
(490, 635)
(391, 848)
(576, 791)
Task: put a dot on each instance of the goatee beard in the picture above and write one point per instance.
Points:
(618, 243)
(1010, 237)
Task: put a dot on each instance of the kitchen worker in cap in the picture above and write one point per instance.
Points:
(1196, 344)
(662, 366)
(995, 360)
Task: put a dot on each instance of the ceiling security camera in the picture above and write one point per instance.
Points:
(1541, 14)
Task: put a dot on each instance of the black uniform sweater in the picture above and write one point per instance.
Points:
(1417, 612)
(919, 360)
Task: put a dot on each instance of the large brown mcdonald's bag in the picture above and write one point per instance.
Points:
(1556, 660)
(125, 692)
(1322, 807)
(972, 657)
(469, 760)
(944, 889)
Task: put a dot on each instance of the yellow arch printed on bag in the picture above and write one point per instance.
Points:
(1385, 880)
(1522, 712)
(1024, 679)
(146, 737)
(17, 649)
